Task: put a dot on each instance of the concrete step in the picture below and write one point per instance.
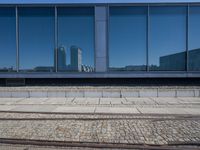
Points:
(98, 92)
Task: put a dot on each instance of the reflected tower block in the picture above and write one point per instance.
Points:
(76, 58)
(61, 58)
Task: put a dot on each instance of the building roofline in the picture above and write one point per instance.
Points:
(93, 1)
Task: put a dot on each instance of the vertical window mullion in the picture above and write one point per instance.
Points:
(17, 39)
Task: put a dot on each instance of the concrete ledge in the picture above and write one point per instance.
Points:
(112, 94)
(38, 94)
(130, 93)
(99, 93)
(5, 94)
(75, 94)
(24, 94)
(185, 93)
(148, 93)
(166, 93)
(93, 94)
(56, 94)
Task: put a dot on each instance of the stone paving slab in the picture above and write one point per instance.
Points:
(85, 101)
(154, 110)
(166, 100)
(32, 101)
(33, 147)
(109, 105)
(58, 101)
(10, 100)
(116, 110)
(112, 101)
(34, 108)
(141, 101)
(74, 109)
(6, 107)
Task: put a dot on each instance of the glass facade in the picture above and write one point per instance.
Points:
(36, 39)
(140, 38)
(127, 38)
(7, 40)
(167, 38)
(76, 39)
(194, 40)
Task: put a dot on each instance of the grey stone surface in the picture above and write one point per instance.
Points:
(74, 109)
(6, 107)
(129, 93)
(125, 129)
(9, 101)
(5, 94)
(20, 94)
(38, 94)
(32, 100)
(166, 93)
(185, 93)
(148, 93)
(111, 94)
(197, 93)
(166, 100)
(56, 94)
(93, 94)
(116, 110)
(153, 110)
(74, 93)
(57, 101)
(141, 101)
(34, 108)
(158, 105)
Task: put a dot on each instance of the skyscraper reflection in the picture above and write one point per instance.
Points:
(62, 58)
(76, 58)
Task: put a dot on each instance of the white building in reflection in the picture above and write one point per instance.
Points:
(76, 58)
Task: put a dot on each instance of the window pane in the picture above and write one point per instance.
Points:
(167, 38)
(7, 40)
(36, 39)
(194, 40)
(127, 38)
(76, 39)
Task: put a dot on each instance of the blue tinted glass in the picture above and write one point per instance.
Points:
(36, 39)
(76, 39)
(7, 39)
(167, 38)
(127, 38)
(194, 40)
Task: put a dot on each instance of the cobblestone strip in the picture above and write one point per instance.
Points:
(128, 131)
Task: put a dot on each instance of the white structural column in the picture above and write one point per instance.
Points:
(101, 39)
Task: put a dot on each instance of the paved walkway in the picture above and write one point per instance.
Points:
(149, 105)
(126, 121)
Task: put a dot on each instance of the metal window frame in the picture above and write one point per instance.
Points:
(57, 36)
(149, 5)
(125, 74)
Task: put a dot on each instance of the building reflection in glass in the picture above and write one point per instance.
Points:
(75, 61)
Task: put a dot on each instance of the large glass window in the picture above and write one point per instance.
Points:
(194, 40)
(127, 38)
(36, 39)
(7, 40)
(76, 39)
(167, 38)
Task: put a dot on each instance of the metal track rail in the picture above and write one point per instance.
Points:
(46, 143)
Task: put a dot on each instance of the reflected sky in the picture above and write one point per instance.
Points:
(36, 37)
(167, 32)
(7, 38)
(76, 28)
(127, 37)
